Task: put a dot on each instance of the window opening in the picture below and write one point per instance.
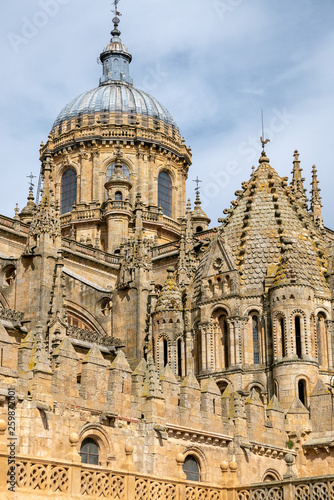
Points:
(165, 352)
(256, 344)
(302, 391)
(165, 193)
(191, 468)
(89, 452)
(179, 357)
(282, 336)
(298, 337)
(68, 190)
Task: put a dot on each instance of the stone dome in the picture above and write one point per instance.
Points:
(115, 97)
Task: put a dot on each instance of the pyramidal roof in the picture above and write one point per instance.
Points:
(268, 227)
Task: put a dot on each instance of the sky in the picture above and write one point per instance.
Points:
(213, 64)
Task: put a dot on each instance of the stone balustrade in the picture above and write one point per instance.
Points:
(95, 253)
(71, 479)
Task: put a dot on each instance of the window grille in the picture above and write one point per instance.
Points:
(191, 468)
(89, 452)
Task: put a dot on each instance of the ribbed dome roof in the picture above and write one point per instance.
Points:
(115, 97)
(115, 93)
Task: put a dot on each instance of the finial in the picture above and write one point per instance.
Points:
(264, 141)
(17, 211)
(116, 19)
(31, 177)
(197, 190)
(262, 138)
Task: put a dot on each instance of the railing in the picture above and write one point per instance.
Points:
(172, 224)
(79, 215)
(313, 488)
(13, 224)
(34, 476)
(265, 493)
(118, 205)
(72, 480)
(95, 253)
(209, 234)
(167, 248)
(151, 216)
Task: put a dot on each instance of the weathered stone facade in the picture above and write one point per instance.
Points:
(154, 336)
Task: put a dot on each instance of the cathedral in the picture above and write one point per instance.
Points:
(144, 354)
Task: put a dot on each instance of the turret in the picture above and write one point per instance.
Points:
(168, 327)
(118, 208)
(199, 220)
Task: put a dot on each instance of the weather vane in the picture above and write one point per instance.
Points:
(197, 188)
(262, 139)
(31, 177)
(115, 11)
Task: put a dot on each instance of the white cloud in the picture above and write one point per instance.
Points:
(220, 69)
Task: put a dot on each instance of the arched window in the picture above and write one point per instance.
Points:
(68, 190)
(165, 193)
(191, 468)
(282, 335)
(322, 339)
(199, 229)
(302, 391)
(223, 324)
(179, 357)
(165, 347)
(276, 392)
(89, 452)
(256, 343)
(298, 337)
(198, 350)
(111, 170)
(118, 196)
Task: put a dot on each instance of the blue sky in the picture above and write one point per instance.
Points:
(213, 64)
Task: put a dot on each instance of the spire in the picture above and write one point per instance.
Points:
(298, 181)
(200, 221)
(115, 58)
(316, 199)
(264, 158)
(27, 212)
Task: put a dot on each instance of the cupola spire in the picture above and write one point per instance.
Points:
(115, 57)
(316, 199)
(116, 19)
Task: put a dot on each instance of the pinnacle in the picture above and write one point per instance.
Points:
(121, 363)
(191, 382)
